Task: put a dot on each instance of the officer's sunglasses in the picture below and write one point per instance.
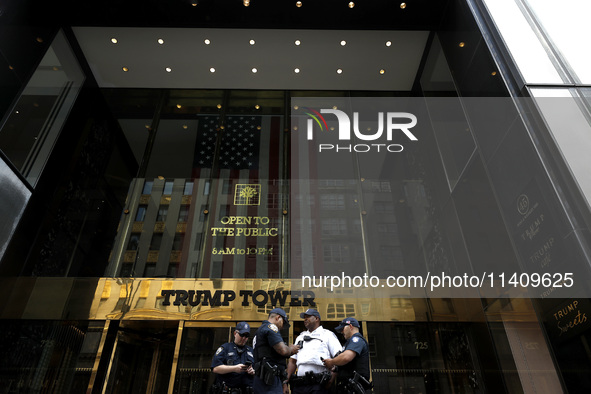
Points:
(245, 335)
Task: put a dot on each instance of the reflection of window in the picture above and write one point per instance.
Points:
(273, 200)
(150, 270)
(177, 243)
(335, 253)
(381, 187)
(172, 270)
(334, 226)
(162, 213)
(224, 211)
(134, 241)
(340, 311)
(332, 201)
(387, 227)
(126, 270)
(147, 187)
(167, 187)
(384, 207)
(331, 182)
(156, 242)
(141, 213)
(184, 213)
(227, 186)
(188, 189)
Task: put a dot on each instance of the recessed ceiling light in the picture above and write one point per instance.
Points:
(403, 5)
(461, 44)
(219, 106)
(125, 69)
(388, 43)
(351, 4)
(194, 4)
(39, 39)
(179, 106)
(160, 177)
(298, 4)
(252, 42)
(246, 3)
(343, 43)
(339, 70)
(168, 69)
(382, 71)
(185, 127)
(493, 73)
(206, 41)
(298, 42)
(259, 127)
(257, 106)
(254, 70)
(160, 41)
(212, 70)
(297, 70)
(114, 40)
(10, 68)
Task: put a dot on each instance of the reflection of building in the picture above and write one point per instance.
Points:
(153, 193)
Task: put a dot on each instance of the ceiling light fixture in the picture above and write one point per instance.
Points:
(125, 69)
(179, 106)
(343, 43)
(168, 69)
(339, 70)
(219, 106)
(382, 71)
(254, 70)
(185, 127)
(461, 44)
(206, 41)
(403, 5)
(194, 4)
(388, 43)
(257, 107)
(297, 70)
(246, 3)
(160, 41)
(252, 42)
(351, 4)
(493, 73)
(212, 70)
(298, 4)
(297, 42)
(114, 40)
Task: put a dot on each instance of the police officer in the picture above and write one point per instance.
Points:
(353, 362)
(316, 344)
(232, 364)
(270, 352)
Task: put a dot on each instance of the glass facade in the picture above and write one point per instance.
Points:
(144, 216)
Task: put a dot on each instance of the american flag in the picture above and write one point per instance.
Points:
(239, 147)
(250, 152)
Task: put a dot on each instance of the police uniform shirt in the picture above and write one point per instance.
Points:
(268, 335)
(360, 363)
(324, 344)
(232, 354)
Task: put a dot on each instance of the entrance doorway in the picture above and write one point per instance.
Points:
(142, 357)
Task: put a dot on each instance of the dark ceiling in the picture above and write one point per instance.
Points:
(261, 14)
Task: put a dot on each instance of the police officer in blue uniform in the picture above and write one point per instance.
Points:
(353, 362)
(232, 364)
(270, 352)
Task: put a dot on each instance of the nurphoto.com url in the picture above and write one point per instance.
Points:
(442, 281)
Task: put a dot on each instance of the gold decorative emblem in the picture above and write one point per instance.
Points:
(247, 194)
